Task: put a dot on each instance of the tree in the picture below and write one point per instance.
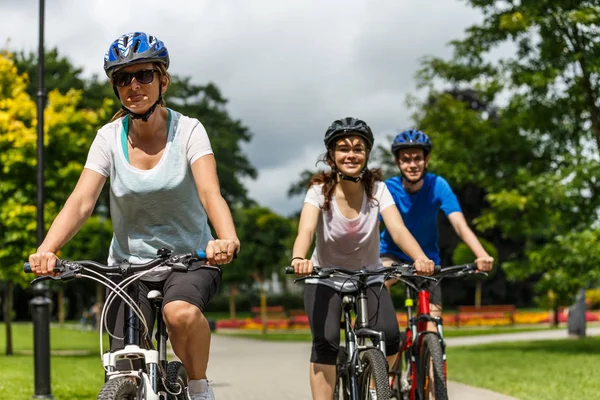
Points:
(536, 159)
(68, 133)
(206, 103)
(266, 248)
(60, 74)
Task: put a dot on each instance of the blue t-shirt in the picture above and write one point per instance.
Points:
(420, 213)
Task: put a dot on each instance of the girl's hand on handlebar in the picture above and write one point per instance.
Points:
(43, 262)
(424, 266)
(484, 264)
(302, 267)
(221, 251)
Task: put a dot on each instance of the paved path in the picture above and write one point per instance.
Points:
(258, 370)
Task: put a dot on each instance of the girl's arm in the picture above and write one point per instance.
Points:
(309, 217)
(405, 240)
(219, 251)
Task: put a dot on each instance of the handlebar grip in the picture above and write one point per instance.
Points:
(437, 269)
(201, 254)
(289, 270)
(58, 268)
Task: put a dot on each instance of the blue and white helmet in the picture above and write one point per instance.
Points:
(134, 48)
(411, 139)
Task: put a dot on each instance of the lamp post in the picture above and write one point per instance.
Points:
(40, 304)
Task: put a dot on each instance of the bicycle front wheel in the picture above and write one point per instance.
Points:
(118, 389)
(432, 375)
(374, 382)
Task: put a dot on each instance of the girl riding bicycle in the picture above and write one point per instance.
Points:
(163, 185)
(342, 208)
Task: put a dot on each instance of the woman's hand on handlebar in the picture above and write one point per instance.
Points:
(302, 266)
(484, 264)
(222, 251)
(43, 262)
(424, 266)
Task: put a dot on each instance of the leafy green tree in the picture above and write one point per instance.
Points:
(533, 149)
(68, 133)
(206, 103)
(266, 248)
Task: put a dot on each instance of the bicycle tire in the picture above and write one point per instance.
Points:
(431, 367)
(375, 369)
(342, 385)
(177, 378)
(118, 389)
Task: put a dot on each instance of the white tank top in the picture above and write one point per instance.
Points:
(348, 243)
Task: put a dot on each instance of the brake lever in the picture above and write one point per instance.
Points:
(45, 278)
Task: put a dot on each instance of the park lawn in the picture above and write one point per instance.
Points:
(537, 370)
(72, 376)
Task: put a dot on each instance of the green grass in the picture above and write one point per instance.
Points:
(72, 377)
(539, 370)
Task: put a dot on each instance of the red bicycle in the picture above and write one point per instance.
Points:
(419, 372)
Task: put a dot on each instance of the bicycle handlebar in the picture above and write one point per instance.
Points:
(69, 269)
(457, 270)
(404, 270)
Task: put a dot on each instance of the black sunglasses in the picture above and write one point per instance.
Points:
(143, 76)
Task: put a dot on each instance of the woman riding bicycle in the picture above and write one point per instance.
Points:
(342, 208)
(163, 185)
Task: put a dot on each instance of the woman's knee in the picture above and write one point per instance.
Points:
(181, 315)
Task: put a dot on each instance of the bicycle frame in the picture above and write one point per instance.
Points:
(147, 364)
(356, 337)
(152, 359)
(417, 327)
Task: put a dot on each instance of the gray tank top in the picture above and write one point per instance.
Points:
(156, 208)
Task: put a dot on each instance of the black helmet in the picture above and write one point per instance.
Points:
(346, 127)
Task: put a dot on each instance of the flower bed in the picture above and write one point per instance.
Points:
(485, 319)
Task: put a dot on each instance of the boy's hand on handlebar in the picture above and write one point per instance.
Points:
(43, 262)
(484, 264)
(302, 267)
(221, 251)
(424, 266)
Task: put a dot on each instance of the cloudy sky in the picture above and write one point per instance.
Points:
(288, 68)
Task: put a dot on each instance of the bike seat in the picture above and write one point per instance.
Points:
(155, 295)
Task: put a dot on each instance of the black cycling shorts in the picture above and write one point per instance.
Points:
(323, 306)
(195, 287)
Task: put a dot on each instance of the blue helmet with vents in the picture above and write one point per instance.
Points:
(411, 139)
(135, 47)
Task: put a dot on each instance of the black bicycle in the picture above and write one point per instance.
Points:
(362, 369)
(139, 371)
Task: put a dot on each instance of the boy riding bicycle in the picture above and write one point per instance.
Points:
(419, 196)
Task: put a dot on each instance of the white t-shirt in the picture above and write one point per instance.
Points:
(348, 243)
(155, 208)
